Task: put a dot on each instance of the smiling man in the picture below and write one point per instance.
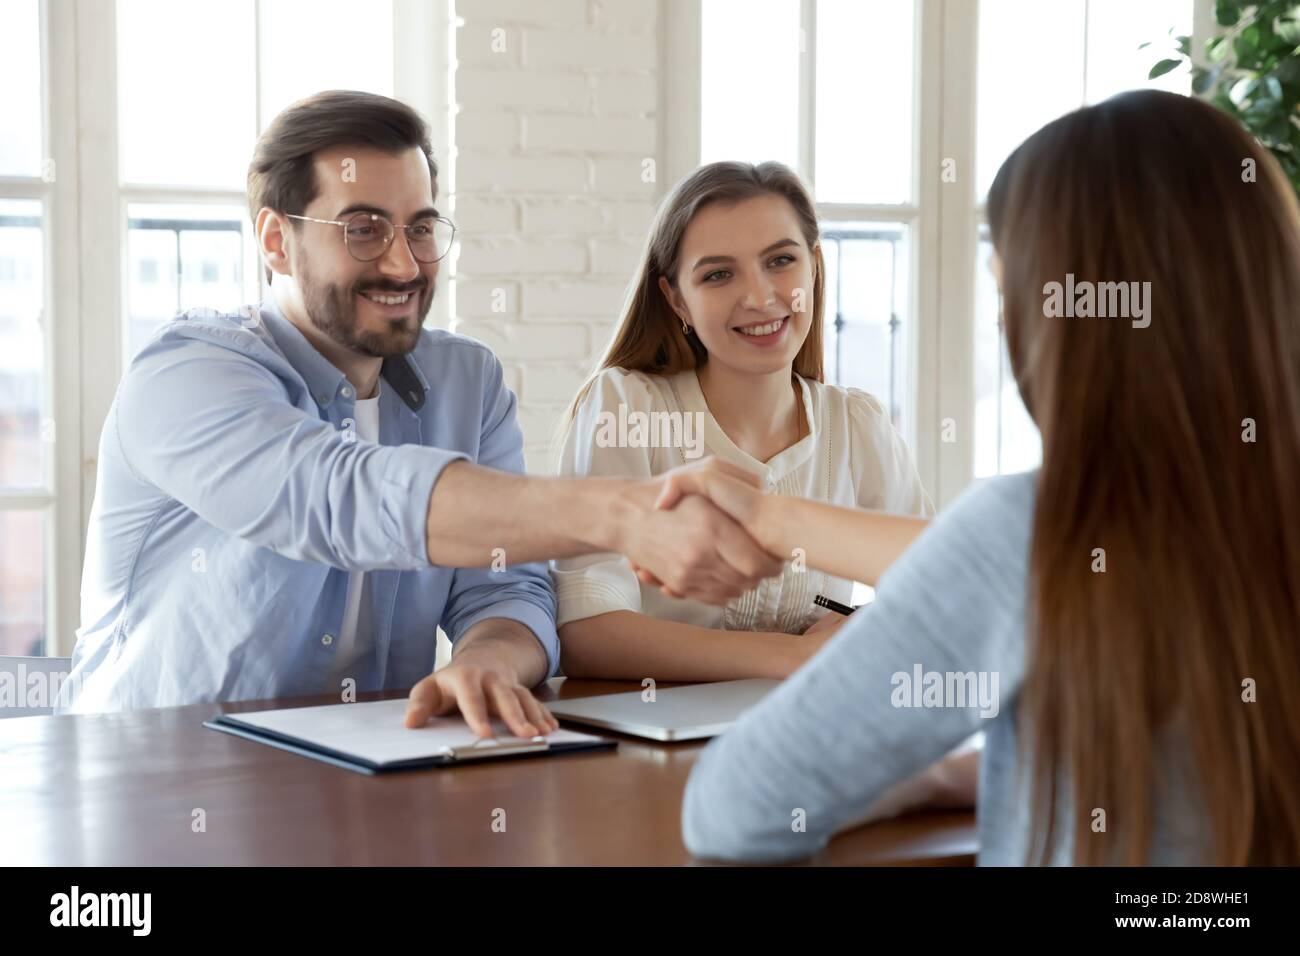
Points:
(292, 499)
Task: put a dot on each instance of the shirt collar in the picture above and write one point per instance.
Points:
(776, 467)
(323, 378)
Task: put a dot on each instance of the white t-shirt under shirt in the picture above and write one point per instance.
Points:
(356, 636)
(851, 456)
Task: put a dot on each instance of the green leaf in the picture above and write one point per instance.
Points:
(1205, 80)
(1163, 67)
(1216, 49)
(1246, 47)
(1227, 12)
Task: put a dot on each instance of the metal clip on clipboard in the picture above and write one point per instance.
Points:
(491, 747)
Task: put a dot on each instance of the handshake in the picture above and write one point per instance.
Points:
(703, 531)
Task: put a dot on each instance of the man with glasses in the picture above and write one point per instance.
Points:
(291, 500)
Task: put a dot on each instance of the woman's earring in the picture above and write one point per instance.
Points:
(686, 329)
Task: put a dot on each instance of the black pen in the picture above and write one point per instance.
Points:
(822, 600)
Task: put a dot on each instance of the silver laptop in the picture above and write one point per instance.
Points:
(676, 713)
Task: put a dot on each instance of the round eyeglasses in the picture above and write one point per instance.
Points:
(368, 235)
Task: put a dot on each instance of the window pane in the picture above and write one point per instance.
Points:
(23, 453)
(864, 104)
(20, 79)
(22, 583)
(1024, 82)
(185, 257)
(187, 113)
(333, 49)
(1116, 28)
(866, 308)
(1006, 438)
(749, 96)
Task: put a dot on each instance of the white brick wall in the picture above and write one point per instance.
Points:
(558, 112)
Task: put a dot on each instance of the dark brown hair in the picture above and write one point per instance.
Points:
(649, 336)
(281, 175)
(1175, 448)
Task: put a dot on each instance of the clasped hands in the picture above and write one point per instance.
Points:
(702, 534)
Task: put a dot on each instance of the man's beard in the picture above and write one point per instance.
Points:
(333, 310)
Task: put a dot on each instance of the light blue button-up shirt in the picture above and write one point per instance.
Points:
(234, 497)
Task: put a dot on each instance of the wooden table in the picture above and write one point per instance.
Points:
(122, 789)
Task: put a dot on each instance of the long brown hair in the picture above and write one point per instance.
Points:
(1171, 458)
(649, 336)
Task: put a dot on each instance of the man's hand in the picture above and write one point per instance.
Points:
(483, 680)
(692, 549)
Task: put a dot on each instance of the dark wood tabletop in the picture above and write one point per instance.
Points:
(123, 789)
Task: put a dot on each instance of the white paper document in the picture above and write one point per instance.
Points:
(375, 732)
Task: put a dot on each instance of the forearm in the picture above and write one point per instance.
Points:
(632, 646)
(850, 543)
(950, 783)
(505, 645)
(474, 511)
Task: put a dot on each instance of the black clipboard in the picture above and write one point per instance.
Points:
(483, 750)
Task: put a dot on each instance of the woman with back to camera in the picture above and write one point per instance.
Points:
(1137, 597)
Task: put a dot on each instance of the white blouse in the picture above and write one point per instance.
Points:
(851, 456)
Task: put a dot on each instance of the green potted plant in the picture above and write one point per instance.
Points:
(1251, 71)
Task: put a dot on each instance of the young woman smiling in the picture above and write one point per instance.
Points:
(724, 324)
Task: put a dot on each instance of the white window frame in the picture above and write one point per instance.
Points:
(943, 218)
(59, 489)
(85, 244)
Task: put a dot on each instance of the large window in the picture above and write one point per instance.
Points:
(787, 81)
(122, 204)
(183, 253)
(898, 115)
(1096, 50)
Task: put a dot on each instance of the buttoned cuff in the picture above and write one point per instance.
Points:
(530, 616)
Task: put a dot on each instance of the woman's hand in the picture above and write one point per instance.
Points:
(735, 490)
(818, 633)
(852, 543)
(695, 549)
